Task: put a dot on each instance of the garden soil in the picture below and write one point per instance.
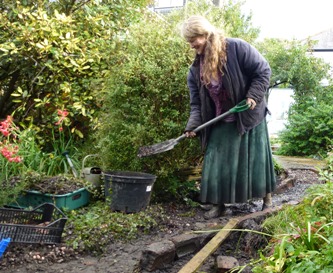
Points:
(125, 257)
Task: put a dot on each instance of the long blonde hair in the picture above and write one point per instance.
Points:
(215, 55)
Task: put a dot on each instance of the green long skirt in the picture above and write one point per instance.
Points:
(237, 167)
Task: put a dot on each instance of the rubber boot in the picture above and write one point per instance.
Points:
(214, 212)
(267, 201)
(206, 207)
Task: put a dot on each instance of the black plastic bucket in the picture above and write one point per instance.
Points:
(130, 191)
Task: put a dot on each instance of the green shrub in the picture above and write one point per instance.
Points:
(309, 130)
(326, 174)
(309, 126)
(93, 228)
(147, 101)
(10, 188)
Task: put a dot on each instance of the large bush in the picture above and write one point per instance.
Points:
(309, 130)
(148, 100)
(309, 127)
(53, 55)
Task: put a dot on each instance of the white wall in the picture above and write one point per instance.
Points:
(279, 102)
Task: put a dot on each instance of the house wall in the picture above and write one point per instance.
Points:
(279, 101)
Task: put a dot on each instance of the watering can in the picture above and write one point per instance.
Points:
(91, 174)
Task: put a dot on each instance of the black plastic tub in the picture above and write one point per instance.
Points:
(129, 191)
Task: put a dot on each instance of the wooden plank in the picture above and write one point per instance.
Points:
(194, 264)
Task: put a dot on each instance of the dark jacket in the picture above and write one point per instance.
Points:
(246, 75)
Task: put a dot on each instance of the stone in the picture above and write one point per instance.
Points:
(158, 255)
(226, 263)
(285, 185)
(186, 244)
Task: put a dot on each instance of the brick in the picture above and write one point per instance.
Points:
(186, 244)
(205, 238)
(225, 263)
(158, 255)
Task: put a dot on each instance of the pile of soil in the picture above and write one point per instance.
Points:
(59, 184)
(124, 257)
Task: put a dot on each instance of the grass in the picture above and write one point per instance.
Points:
(302, 236)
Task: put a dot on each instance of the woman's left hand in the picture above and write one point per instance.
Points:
(251, 102)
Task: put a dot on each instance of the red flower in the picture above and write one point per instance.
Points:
(5, 126)
(62, 115)
(10, 153)
(5, 132)
(16, 159)
(9, 150)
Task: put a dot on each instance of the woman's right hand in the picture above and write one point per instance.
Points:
(190, 134)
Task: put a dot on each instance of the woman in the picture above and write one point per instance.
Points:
(238, 161)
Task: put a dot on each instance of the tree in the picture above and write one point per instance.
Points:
(228, 18)
(309, 127)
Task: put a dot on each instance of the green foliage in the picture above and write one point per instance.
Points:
(94, 227)
(147, 98)
(54, 54)
(308, 132)
(10, 188)
(278, 54)
(33, 156)
(309, 127)
(235, 23)
(291, 62)
(326, 174)
(229, 18)
(277, 167)
(303, 235)
(177, 189)
(21, 158)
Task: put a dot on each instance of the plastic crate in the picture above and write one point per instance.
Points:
(70, 201)
(3, 245)
(44, 224)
